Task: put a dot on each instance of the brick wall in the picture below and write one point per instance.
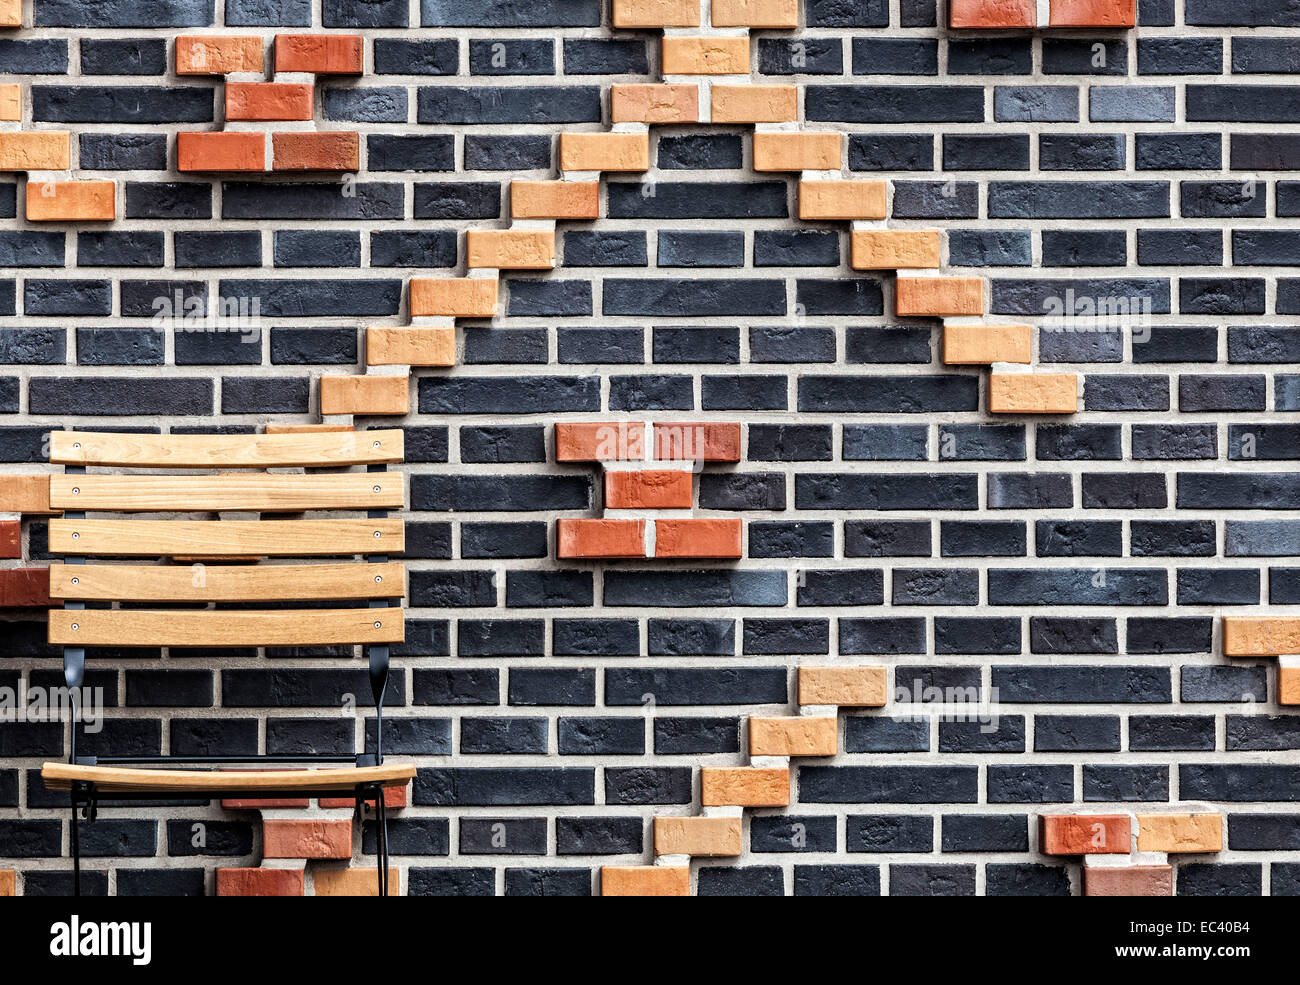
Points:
(860, 241)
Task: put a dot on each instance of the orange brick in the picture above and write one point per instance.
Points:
(256, 804)
(604, 151)
(610, 441)
(992, 13)
(353, 881)
(697, 442)
(461, 297)
(654, 103)
(648, 489)
(511, 249)
(1288, 686)
(814, 151)
(261, 882)
(754, 104)
(8, 882)
(843, 199)
(656, 13)
(1128, 880)
(218, 55)
(795, 735)
(705, 56)
(755, 13)
(698, 537)
(11, 102)
(1093, 13)
(215, 151)
(555, 199)
(11, 13)
(410, 347)
(11, 539)
(1245, 636)
(919, 297)
(744, 786)
(268, 101)
(895, 249)
(338, 150)
(848, 687)
(1180, 833)
(1084, 834)
(306, 838)
(307, 428)
(25, 588)
(599, 538)
(645, 880)
(364, 395)
(25, 494)
(700, 836)
(71, 201)
(35, 150)
(965, 345)
(321, 54)
(1033, 393)
(394, 798)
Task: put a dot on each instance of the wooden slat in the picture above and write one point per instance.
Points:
(276, 493)
(207, 451)
(114, 779)
(259, 538)
(219, 583)
(300, 627)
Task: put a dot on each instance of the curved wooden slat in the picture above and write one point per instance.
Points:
(220, 583)
(256, 538)
(113, 779)
(275, 493)
(238, 451)
(290, 627)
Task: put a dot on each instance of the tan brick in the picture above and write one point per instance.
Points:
(973, 345)
(511, 249)
(705, 56)
(411, 346)
(679, 103)
(920, 297)
(843, 199)
(796, 735)
(353, 881)
(754, 104)
(701, 836)
(894, 249)
(645, 880)
(1288, 686)
(656, 13)
(1033, 393)
(459, 297)
(71, 201)
(555, 199)
(11, 102)
(744, 786)
(11, 13)
(813, 151)
(1248, 636)
(1178, 834)
(849, 687)
(1128, 880)
(306, 838)
(218, 55)
(8, 882)
(25, 494)
(364, 395)
(35, 150)
(755, 13)
(604, 151)
(1085, 834)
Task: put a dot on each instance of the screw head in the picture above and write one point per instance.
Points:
(378, 624)
(377, 534)
(76, 536)
(75, 626)
(376, 489)
(378, 579)
(76, 444)
(76, 581)
(76, 490)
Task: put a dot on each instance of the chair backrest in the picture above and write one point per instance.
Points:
(209, 561)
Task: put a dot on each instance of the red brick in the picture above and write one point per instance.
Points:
(1128, 880)
(697, 537)
(1085, 834)
(648, 489)
(261, 882)
(306, 838)
(322, 54)
(600, 538)
(992, 13)
(215, 151)
(610, 441)
(1093, 13)
(268, 101)
(25, 588)
(334, 151)
(11, 539)
(394, 798)
(697, 442)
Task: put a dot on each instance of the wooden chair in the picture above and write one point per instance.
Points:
(369, 591)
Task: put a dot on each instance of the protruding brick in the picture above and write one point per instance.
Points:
(25, 588)
(604, 151)
(1093, 13)
(705, 56)
(511, 249)
(992, 13)
(809, 151)
(1128, 880)
(11, 13)
(1177, 834)
(35, 150)
(353, 881)
(1033, 393)
(411, 346)
(1084, 834)
(306, 838)
(71, 201)
(555, 199)
(364, 395)
(645, 880)
(11, 539)
(268, 101)
(261, 882)
(754, 104)
(696, 442)
(1249, 636)
(1288, 686)
(8, 882)
(655, 103)
(656, 13)
(460, 297)
(848, 687)
(744, 786)
(648, 489)
(395, 798)
(895, 249)
(843, 199)
(337, 150)
(934, 297)
(699, 836)
(608, 441)
(755, 13)
(216, 151)
(25, 494)
(579, 538)
(320, 54)
(11, 102)
(967, 345)
(796, 735)
(218, 54)
(699, 537)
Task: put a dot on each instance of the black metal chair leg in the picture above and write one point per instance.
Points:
(76, 849)
(381, 837)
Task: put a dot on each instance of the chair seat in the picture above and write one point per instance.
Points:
(115, 779)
